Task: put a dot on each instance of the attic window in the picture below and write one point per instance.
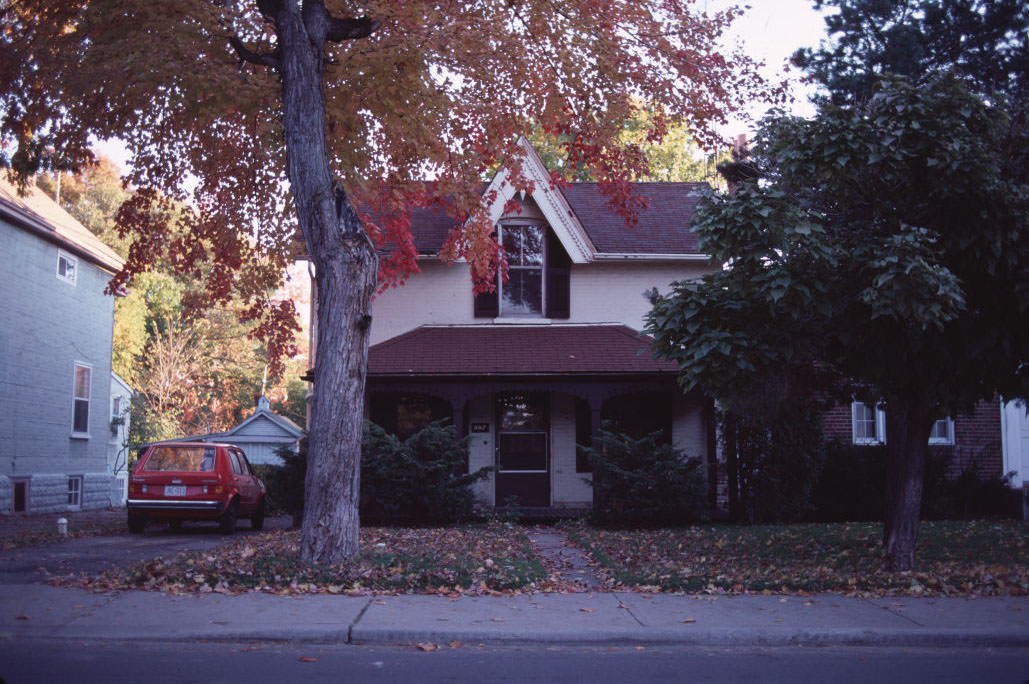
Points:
(522, 294)
(67, 267)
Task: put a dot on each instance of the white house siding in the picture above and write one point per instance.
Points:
(600, 293)
(480, 446)
(614, 292)
(1015, 441)
(568, 488)
(48, 327)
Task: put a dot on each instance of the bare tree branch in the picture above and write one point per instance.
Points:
(247, 55)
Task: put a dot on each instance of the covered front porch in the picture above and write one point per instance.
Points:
(526, 396)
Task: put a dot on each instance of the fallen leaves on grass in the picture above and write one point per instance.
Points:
(461, 560)
(978, 558)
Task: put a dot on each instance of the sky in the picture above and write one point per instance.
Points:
(770, 30)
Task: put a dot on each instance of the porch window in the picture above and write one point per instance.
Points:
(405, 414)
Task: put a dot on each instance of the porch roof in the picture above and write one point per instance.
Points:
(516, 350)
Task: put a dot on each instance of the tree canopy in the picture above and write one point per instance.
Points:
(277, 115)
(984, 42)
(883, 243)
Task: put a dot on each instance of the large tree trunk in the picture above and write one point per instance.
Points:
(908, 425)
(346, 269)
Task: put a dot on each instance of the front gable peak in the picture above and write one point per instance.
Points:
(547, 197)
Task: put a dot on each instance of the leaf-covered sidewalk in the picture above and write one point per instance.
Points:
(979, 558)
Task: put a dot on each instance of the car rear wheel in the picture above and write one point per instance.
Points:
(227, 521)
(257, 519)
(137, 522)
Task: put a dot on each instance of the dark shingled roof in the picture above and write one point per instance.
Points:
(516, 350)
(663, 228)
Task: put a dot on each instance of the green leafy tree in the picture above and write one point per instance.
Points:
(667, 151)
(984, 42)
(886, 243)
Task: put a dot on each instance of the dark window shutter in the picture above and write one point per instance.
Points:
(559, 304)
(487, 305)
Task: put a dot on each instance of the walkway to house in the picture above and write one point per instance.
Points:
(566, 563)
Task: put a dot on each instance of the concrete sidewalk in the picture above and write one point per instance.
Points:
(39, 611)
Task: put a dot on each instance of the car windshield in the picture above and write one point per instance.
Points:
(181, 459)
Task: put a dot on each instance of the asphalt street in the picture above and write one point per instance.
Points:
(47, 662)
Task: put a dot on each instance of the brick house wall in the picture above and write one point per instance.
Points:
(977, 437)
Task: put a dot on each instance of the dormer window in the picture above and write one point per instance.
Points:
(522, 294)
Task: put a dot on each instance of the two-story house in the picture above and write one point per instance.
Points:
(55, 357)
(533, 368)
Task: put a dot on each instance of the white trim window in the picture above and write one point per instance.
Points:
(523, 294)
(80, 401)
(67, 267)
(942, 432)
(116, 418)
(75, 491)
(868, 423)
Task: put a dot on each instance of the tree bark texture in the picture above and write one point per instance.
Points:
(908, 424)
(346, 269)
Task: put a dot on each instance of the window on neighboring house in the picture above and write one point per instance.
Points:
(538, 275)
(116, 417)
(80, 415)
(75, 491)
(67, 267)
(868, 423)
(942, 432)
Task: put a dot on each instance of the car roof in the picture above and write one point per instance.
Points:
(189, 444)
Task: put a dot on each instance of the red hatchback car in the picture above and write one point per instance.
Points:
(178, 481)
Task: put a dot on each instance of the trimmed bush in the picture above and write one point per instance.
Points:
(644, 482)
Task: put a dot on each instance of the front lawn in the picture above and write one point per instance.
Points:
(480, 559)
(955, 558)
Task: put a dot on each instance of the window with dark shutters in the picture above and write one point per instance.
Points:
(514, 298)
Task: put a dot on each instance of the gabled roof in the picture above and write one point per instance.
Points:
(40, 215)
(266, 418)
(580, 217)
(516, 350)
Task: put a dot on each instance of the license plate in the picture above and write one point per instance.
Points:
(175, 490)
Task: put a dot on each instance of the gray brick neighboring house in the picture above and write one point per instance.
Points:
(55, 357)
